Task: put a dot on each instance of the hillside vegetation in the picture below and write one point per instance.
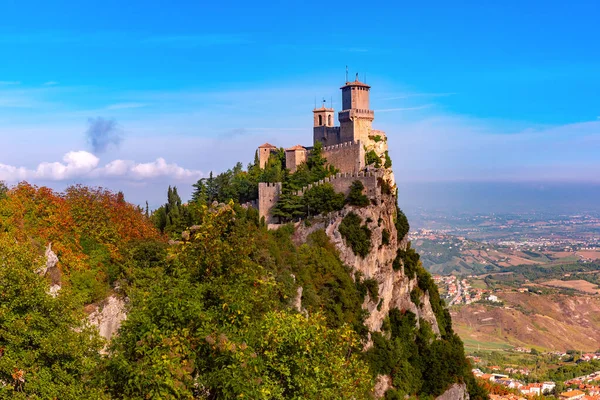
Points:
(228, 310)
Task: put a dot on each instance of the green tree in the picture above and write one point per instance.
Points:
(46, 349)
(356, 197)
(357, 236)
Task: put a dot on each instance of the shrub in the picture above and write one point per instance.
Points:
(402, 225)
(357, 236)
(372, 158)
(410, 258)
(388, 160)
(372, 288)
(415, 296)
(386, 188)
(376, 138)
(356, 196)
(322, 199)
(385, 237)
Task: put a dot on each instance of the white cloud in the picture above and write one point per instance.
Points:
(82, 165)
(10, 83)
(50, 83)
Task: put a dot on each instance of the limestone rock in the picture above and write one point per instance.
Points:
(394, 286)
(108, 316)
(382, 384)
(455, 392)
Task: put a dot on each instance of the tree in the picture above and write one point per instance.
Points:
(356, 196)
(46, 348)
(357, 236)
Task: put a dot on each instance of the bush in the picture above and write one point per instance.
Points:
(372, 288)
(357, 236)
(372, 158)
(402, 225)
(356, 196)
(386, 188)
(388, 160)
(415, 296)
(385, 237)
(323, 199)
(410, 258)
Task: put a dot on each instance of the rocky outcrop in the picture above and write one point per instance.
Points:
(382, 384)
(455, 392)
(108, 316)
(51, 271)
(394, 286)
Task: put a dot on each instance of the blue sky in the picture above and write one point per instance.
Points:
(466, 91)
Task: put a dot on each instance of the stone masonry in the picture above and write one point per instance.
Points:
(344, 147)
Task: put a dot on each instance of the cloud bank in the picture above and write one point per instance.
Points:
(82, 165)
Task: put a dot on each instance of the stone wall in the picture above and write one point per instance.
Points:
(328, 135)
(268, 196)
(293, 158)
(347, 157)
(341, 183)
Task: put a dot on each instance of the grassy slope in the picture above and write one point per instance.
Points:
(552, 322)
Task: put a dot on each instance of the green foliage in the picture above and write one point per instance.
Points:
(376, 138)
(386, 188)
(371, 158)
(410, 258)
(356, 196)
(357, 236)
(401, 222)
(328, 284)
(418, 362)
(388, 160)
(313, 170)
(415, 296)
(322, 199)
(46, 350)
(372, 288)
(204, 320)
(385, 237)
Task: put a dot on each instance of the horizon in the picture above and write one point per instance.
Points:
(138, 104)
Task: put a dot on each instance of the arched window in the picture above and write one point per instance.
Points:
(320, 120)
(329, 120)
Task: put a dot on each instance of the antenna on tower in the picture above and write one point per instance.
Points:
(346, 73)
(331, 102)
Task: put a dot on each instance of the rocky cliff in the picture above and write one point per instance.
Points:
(394, 286)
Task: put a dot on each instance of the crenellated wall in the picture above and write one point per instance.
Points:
(348, 157)
(341, 183)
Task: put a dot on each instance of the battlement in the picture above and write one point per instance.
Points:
(341, 145)
(341, 183)
(269, 184)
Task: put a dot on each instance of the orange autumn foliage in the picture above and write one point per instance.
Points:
(41, 216)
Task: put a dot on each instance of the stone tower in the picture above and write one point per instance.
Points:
(264, 152)
(323, 116)
(356, 117)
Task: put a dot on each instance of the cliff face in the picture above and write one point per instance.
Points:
(394, 286)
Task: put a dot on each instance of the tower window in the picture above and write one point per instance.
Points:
(320, 120)
(329, 120)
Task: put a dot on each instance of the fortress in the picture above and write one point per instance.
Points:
(345, 147)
